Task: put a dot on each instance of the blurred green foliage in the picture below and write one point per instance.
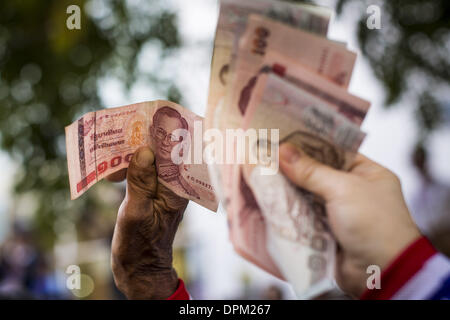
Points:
(49, 76)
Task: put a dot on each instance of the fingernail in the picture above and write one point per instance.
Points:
(144, 157)
(289, 153)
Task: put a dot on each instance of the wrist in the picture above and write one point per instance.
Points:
(402, 269)
(353, 277)
(153, 285)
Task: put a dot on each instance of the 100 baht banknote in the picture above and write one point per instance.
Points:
(250, 237)
(262, 34)
(231, 25)
(315, 53)
(103, 142)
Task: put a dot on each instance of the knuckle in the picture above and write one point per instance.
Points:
(142, 190)
(139, 176)
(396, 179)
(392, 176)
(143, 227)
(306, 171)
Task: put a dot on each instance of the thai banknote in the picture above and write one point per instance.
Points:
(231, 25)
(103, 142)
(336, 97)
(262, 34)
(289, 225)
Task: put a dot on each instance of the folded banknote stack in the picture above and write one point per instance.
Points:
(274, 68)
(273, 72)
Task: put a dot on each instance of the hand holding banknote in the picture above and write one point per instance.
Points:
(259, 39)
(146, 225)
(296, 225)
(365, 208)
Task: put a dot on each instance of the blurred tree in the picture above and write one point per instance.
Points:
(49, 76)
(410, 54)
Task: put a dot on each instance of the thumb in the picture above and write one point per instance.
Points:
(141, 176)
(308, 173)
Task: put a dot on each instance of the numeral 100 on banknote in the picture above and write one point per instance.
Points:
(101, 168)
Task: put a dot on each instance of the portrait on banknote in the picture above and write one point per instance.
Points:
(166, 121)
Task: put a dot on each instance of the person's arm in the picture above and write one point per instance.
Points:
(371, 222)
(419, 272)
(148, 218)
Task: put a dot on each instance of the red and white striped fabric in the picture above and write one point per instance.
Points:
(419, 272)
